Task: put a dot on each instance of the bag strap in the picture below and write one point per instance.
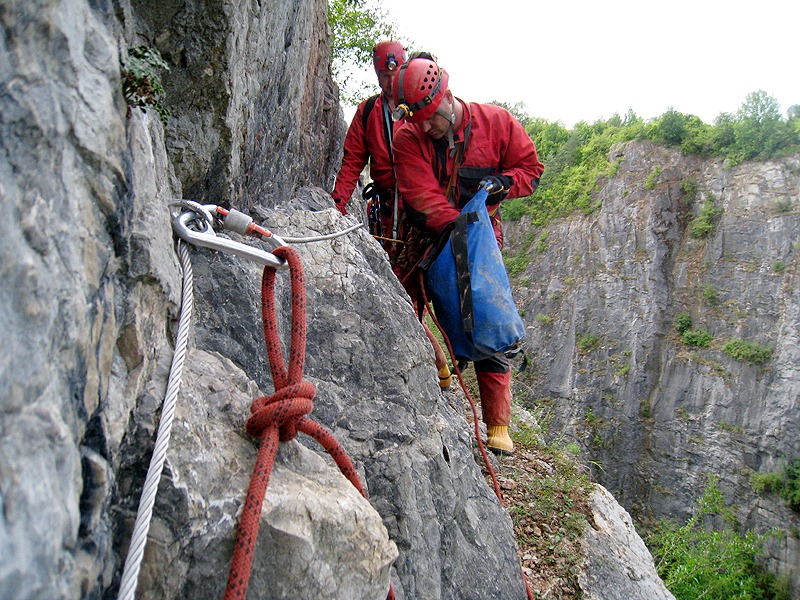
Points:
(458, 239)
(368, 109)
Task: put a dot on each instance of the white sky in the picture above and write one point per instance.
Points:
(572, 60)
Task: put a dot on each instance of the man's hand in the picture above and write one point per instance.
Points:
(497, 186)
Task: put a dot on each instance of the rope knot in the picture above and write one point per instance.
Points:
(284, 410)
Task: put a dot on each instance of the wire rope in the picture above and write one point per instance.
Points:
(133, 561)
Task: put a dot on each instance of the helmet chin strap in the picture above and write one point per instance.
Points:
(451, 117)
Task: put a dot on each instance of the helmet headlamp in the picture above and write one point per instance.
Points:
(401, 112)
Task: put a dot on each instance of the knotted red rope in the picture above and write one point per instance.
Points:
(280, 416)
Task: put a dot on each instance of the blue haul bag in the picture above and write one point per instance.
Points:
(469, 288)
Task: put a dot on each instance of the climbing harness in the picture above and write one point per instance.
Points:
(274, 418)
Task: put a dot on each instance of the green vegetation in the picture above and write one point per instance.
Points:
(779, 266)
(697, 337)
(725, 426)
(703, 224)
(588, 342)
(652, 178)
(785, 482)
(689, 189)
(576, 159)
(356, 26)
(710, 294)
(784, 205)
(697, 560)
(683, 322)
(645, 408)
(516, 264)
(141, 80)
(623, 370)
(749, 352)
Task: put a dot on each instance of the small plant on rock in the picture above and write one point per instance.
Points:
(588, 342)
(749, 352)
(709, 215)
(141, 80)
(683, 322)
(698, 337)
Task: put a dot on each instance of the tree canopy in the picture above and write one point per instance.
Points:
(576, 158)
(356, 26)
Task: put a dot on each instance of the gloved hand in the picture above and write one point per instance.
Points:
(498, 186)
(342, 207)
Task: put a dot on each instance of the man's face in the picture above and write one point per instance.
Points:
(436, 125)
(385, 82)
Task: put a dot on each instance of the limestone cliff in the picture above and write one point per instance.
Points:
(601, 296)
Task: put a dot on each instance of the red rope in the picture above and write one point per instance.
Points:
(495, 483)
(279, 417)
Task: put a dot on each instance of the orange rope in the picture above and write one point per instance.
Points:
(279, 417)
(495, 483)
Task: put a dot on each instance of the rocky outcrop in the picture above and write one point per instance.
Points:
(657, 415)
(617, 566)
(255, 111)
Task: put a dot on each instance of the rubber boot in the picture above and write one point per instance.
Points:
(445, 377)
(498, 440)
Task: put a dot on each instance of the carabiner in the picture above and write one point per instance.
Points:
(194, 226)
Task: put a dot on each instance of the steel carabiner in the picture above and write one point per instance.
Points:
(194, 226)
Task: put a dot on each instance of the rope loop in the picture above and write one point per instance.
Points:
(279, 416)
(285, 409)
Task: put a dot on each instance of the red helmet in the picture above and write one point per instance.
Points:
(418, 87)
(388, 56)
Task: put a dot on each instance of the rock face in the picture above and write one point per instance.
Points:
(601, 305)
(91, 295)
(319, 537)
(249, 82)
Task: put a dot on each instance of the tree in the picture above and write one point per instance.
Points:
(672, 127)
(759, 130)
(548, 136)
(356, 25)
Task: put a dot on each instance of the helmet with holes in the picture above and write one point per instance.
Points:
(419, 87)
(388, 56)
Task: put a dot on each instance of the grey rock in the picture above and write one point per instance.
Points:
(666, 415)
(319, 538)
(617, 565)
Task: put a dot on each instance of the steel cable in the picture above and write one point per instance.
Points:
(133, 562)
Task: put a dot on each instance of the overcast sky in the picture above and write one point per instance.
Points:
(571, 60)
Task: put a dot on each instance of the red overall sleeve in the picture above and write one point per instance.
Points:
(500, 141)
(354, 159)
